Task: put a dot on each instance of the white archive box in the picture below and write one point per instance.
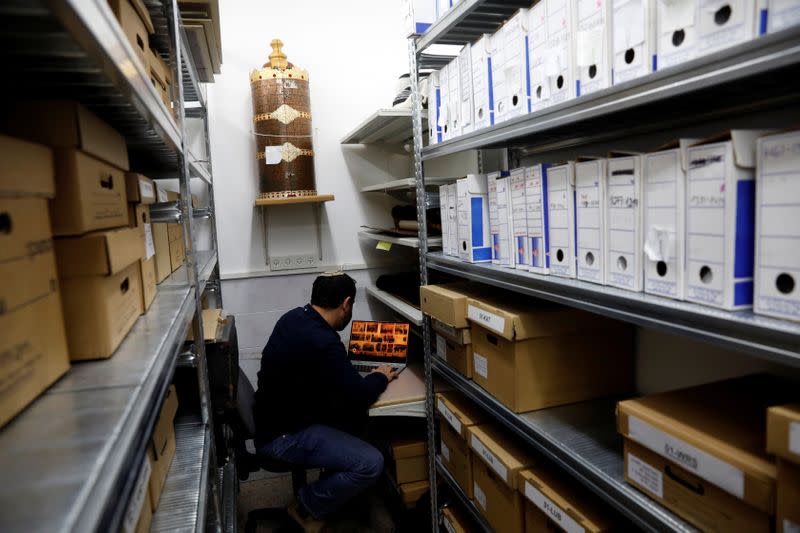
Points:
(724, 23)
(590, 219)
(720, 220)
(537, 45)
(499, 214)
(536, 209)
(561, 214)
(519, 219)
(453, 99)
(473, 219)
(777, 283)
(481, 64)
(676, 32)
(559, 60)
(466, 100)
(444, 214)
(624, 222)
(444, 102)
(505, 242)
(442, 7)
(510, 72)
(634, 39)
(418, 15)
(779, 14)
(452, 208)
(664, 249)
(434, 107)
(592, 48)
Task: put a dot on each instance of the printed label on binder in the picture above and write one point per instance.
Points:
(486, 319)
(552, 510)
(645, 475)
(449, 416)
(490, 458)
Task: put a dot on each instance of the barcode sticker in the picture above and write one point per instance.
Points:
(481, 365)
(490, 458)
(486, 319)
(445, 452)
(149, 247)
(794, 437)
(449, 416)
(441, 347)
(705, 465)
(552, 510)
(146, 189)
(645, 475)
(479, 495)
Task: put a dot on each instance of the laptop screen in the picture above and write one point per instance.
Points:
(379, 341)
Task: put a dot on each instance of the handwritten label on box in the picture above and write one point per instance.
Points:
(645, 475)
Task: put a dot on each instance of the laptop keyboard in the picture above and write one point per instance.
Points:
(364, 368)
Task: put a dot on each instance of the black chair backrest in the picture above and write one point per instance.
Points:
(245, 402)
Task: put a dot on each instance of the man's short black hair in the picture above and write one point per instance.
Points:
(330, 290)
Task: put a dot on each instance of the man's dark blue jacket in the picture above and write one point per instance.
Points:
(306, 378)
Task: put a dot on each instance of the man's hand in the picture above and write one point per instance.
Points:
(387, 371)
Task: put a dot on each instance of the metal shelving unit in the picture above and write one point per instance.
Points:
(411, 242)
(80, 445)
(389, 126)
(404, 309)
(464, 502)
(749, 80)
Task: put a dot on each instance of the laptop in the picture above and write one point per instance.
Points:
(373, 344)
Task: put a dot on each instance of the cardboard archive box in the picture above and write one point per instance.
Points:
(624, 191)
(590, 220)
(140, 219)
(457, 417)
(783, 432)
(410, 493)
(481, 65)
(410, 460)
(33, 344)
(161, 78)
(561, 218)
(496, 463)
(140, 189)
(161, 448)
(136, 24)
(448, 303)
(454, 521)
(101, 289)
(634, 39)
(510, 64)
(458, 356)
(555, 497)
(474, 245)
(676, 33)
(715, 431)
(593, 45)
(787, 516)
(500, 219)
(534, 357)
(457, 335)
(163, 267)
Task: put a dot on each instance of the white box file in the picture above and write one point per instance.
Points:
(676, 32)
(510, 69)
(442, 7)
(777, 283)
(444, 102)
(590, 219)
(592, 48)
(537, 46)
(418, 15)
(453, 99)
(467, 103)
(537, 208)
(561, 213)
(559, 59)
(452, 199)
(720, 220)
(778, 15)
(505, 242)
(481, 64)
(473, 219)
(444, 214)
(724, 23)
(519, 219)
(434, 108)
(634, 39)
(664, 174)
(624, 222)
(499, 217)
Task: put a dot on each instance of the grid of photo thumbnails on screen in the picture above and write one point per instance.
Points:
(379, 339)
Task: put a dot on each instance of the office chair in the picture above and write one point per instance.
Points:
(247, 462)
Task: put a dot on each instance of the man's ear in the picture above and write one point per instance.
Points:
(347, 302)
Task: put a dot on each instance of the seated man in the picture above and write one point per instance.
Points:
(311, 401)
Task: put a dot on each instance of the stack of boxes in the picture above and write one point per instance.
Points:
(409, 468)
(161, 448)
(141, 193)
(457, 417)
(33, 344)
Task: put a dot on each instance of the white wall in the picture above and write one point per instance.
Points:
(354, 51)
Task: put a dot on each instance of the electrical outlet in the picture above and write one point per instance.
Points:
(293, 262)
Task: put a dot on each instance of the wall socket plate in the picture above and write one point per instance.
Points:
(293, 262)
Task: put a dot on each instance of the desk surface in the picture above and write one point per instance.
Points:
(407, 388)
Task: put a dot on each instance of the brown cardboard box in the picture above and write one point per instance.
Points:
(140, 189)
(136, 25)
(456, 457)
(67, 124)
(161, 247)
(164, 424)
(145, 517)
(457, 356)
(459, 413)
(175, 232)
(25, 229)
(147, 272)
(412, 492)
(162, 446)
(716, 431)
(27, 168)
(410, 460)
(99, 253)
(454, 521)
(689, 496)
(177, 254)
(500, 504)
(447, 303)
(516, 322)
(458, 335)
(161, 78)
(787, 516)
(554, 497)
(99, 311)
(502, 454)
(783, 432)
(90, 194)
(547, 371)
(212, 319)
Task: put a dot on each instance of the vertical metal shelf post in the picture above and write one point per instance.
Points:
(422, 221)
